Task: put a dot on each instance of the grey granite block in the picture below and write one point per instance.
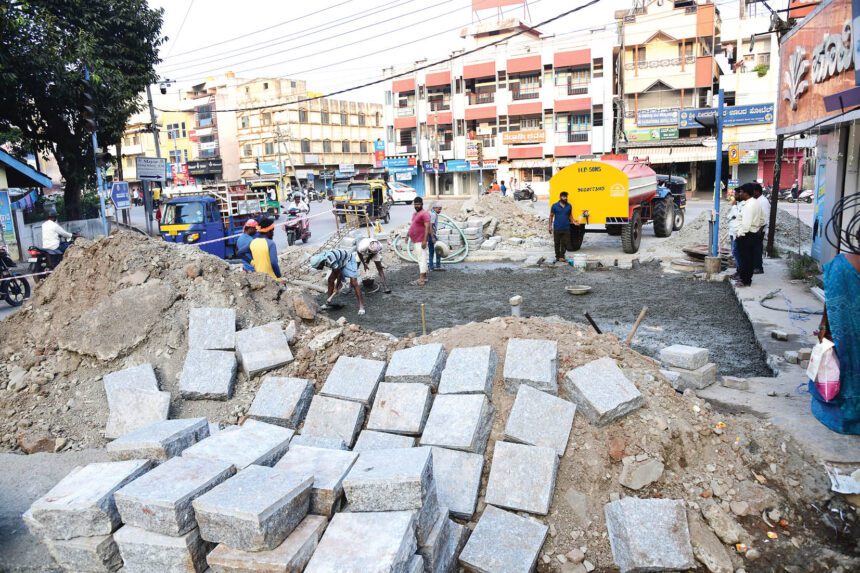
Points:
(160, 501)
(82, 503)
(262, 348)
(255, 510)
(354, 379)
(160, 440)
(318, 442)
(422, 364)
(531, 362)
(212, 329)
(503, 542)
(347, 546)
(683, 356)
(328, 468)
(469, 371)
(649, 534)
(458, 479)
(432, 547)
(140, 377)
(416, 565)
(208, 375)
(522, 477)
(134, 400)
(602, 392)
(290, 556)
(282, 401)
(390, 480)
(459, 422)
(540, 419)
(147, 552)
(369, 440)
(333, 418)
(86, 554)
(696, 379)
(251, 443)
(400, 408)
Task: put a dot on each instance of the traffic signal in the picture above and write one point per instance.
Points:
(104, 159)
(257, 168)
(88, 109)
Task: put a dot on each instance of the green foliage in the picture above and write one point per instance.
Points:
(90, 207)
(803, 267)
(45, 46)
(761, 70)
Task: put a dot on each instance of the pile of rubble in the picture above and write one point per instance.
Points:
(513, 219)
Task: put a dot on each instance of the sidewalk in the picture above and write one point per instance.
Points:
(784, 400)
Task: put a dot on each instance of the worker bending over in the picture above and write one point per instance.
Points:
(343, 265)
(371, 250)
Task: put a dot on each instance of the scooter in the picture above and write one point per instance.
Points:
(314, 195)
(525, 194)
(297, 227)
(46, 260)
(805, 196)
(12, 289)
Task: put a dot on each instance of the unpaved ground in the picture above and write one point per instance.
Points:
(477, 292)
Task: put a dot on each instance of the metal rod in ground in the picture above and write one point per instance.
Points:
(593, 324)
(636, 324)
(423, 321)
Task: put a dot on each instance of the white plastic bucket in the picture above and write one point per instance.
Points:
(580, 261)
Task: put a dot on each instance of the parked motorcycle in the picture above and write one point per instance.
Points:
(525, 194)
(805, 196)
(297, 227)
(12, 289)
(46, 260)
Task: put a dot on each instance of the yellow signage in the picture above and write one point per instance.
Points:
(592, 186)
(530, 136)
(734, 154)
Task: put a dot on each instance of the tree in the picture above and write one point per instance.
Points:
(45, 46)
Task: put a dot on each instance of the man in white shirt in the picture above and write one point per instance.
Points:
(764, 203)
(53, 233)
(749, 228)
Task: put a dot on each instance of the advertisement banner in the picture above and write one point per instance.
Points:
(398, 162)
(487, 164)
(687, 117)
(269, 168)
(7, 226)
(749, 157)
(346, 168)
(404, 176)
(434, 167)
(656, 117)
(471, 149)
(527, 136)
(748, 114)
(656, 134)
(456, 166)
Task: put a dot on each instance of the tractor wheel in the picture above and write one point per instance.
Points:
(613, 230)
(663, 212)
(631, 233)
(678, 219)
(577, 234)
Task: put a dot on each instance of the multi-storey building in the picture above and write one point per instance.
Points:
(527, 107)
(214, 129)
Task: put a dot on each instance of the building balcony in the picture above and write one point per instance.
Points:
(437, 105)
(664, 63)
(482, 98)
(132, 149)
(572, 90)
(566, 137)
(404, 111)
(525, 93)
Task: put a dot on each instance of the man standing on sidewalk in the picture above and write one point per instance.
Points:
(751, 223)
(764, 203)
(560, 215)
(419, 231)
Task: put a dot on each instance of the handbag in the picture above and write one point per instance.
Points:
(823, 369)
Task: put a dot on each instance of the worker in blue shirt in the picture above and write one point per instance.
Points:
(243, 244)
(560, 218)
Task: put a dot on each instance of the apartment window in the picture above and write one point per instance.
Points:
(135, 140)
(389, 133)
(362, 146)
(344, 146)
(326, 146)
(458, 85)
(293, 84)
(204, 116)
(266, 119)
(269, 148)
(461, 127)
(324, 117)
(265, 85)
(175, 130)
(344, 119)
(688, 50)
(729, 98)
(246, 150)
(177, 156)
(597, 116)
(502, 80)
(763, 59)
(303, 116)
(129, 162)
(208, 146)
(641, 55)
(361, 119)
(597, 67)
(378, 119)
(421, 92)
(244, 122)
(306, 146)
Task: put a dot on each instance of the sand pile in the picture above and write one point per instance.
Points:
(514, 220)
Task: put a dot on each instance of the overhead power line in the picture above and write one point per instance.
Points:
(181, 26)
(407, 72)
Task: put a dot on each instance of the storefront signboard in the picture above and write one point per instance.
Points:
(656, 117)
(456, 166)
(655, 134)
(526, 136)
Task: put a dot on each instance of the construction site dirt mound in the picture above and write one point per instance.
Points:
(516, 219)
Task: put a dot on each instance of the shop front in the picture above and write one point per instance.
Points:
(206, 170)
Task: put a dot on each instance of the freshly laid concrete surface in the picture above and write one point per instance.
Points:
(20, 552)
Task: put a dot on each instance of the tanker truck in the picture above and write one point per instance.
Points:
(615, 196)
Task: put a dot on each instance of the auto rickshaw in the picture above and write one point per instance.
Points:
(369, 201)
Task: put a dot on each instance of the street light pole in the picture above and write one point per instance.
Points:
(147, 186)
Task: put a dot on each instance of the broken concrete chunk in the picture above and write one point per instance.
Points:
(390, 480)
(291, 555)
(282, 401)
(160, 500)
(724, 525)
(522, 477)
(328, 468)
(531, 362)
(540, 419)
(707, 548)
(791, 356)
(160, 440)
(400, 408)
(469, 371)
(458, 479)
(255, 510)
(212, 329)
(422, 364)
(208, 375)
(369, 440)
(251, 443)
(262, 348)
(333, 418)
(636, 475)
(649, 534)
(602, 391)
(145, 551)
(735, 383)
(346, 546)
(354, 379)
(695, 379)
(683, 356)
(97, 553)
(82, 503)
(503, 541)
(804, 354)
(459, 422)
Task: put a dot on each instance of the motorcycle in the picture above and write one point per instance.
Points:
(297, 227)
(46, 260)
(12, 289)
(314, 195)
(805, 196)
(525, 194)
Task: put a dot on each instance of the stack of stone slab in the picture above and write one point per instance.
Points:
(690, 367)
(449, 236)
(210, 365)
(473, 230)
(253, 442)
(491, 243)
(282, 401)
(134, 400)
(78, 518)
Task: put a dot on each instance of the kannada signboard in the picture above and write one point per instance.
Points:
(378, 152)
(120, 195)
(206, 167)
(687, 117)
(487, 164)
(456, 165)
(151, 168)
(656, 117)
(748, 114)
(526, 136)
(434, 167)
(471, 149)
(656, 134)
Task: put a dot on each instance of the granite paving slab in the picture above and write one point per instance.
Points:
(459, 422)
(540, 419)
(159, 440)
(354, 378)
(522, 477)
(282, 401)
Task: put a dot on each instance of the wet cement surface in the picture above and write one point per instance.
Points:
(680, 310)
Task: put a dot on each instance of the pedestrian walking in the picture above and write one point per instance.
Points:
(560, 216)
(435, 209)
(751, 222)
(264, 252)
(243, 244)
(764, 203)
(419, 232)
(343, 265)
(503, 188)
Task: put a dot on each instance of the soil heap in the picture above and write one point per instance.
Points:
(514, 220)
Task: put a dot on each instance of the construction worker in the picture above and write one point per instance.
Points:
(243, 244)
(371, 250)
(343, 265)
(264, 253)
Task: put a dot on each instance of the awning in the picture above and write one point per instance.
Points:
(663, 155)
(19, 174)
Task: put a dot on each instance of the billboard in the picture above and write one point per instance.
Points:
(7, 225)
(526, 136)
